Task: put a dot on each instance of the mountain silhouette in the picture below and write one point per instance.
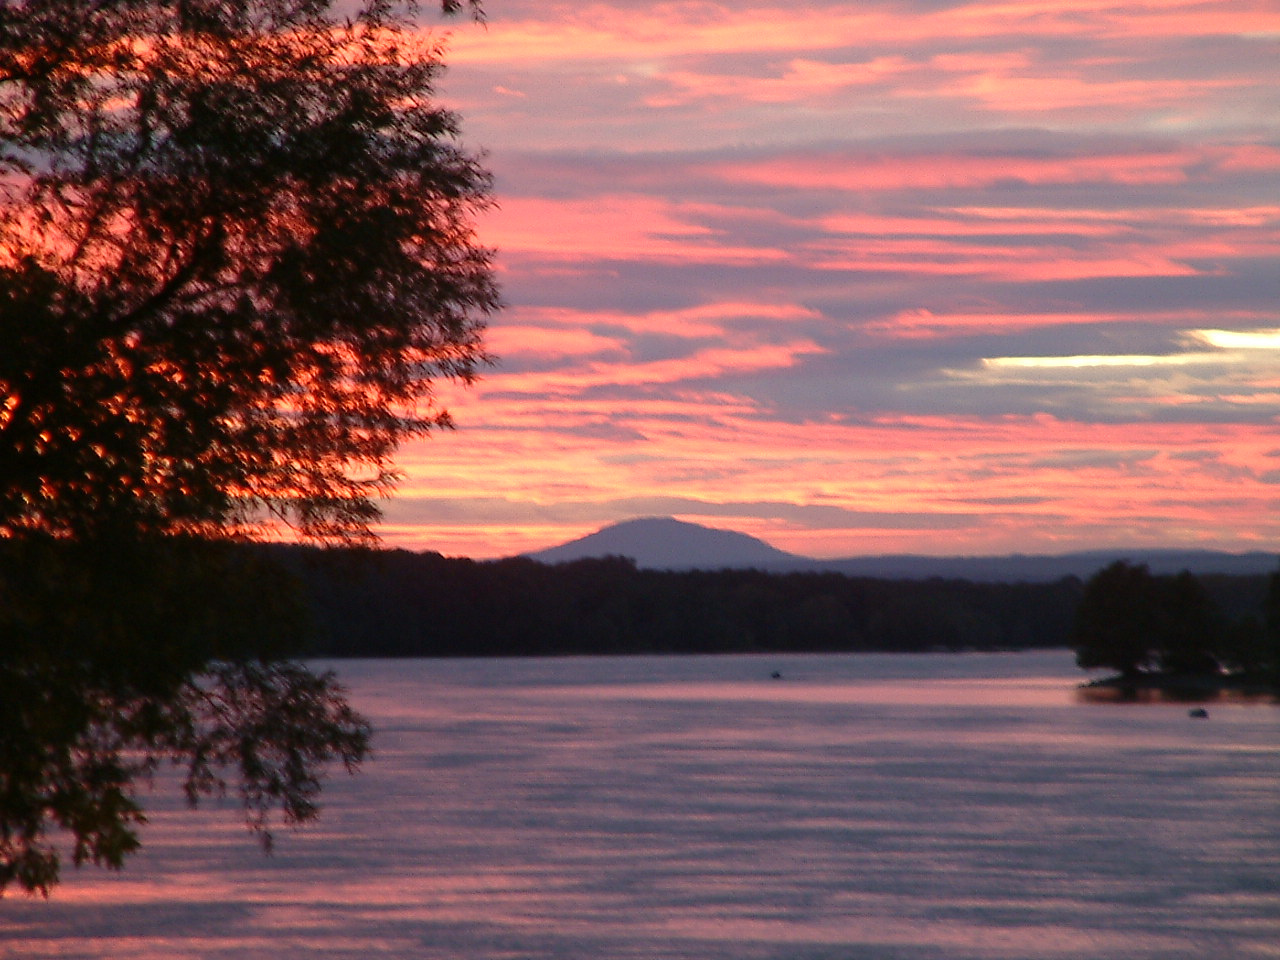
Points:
(664, 543)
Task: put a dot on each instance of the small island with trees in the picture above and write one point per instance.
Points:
(1165, 636)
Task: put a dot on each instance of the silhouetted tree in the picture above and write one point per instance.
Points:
(1129, 620)
(1190, 632)
(1117, 624)
(1247, 649)
(235, 252)
(1268, 657)
(118, 658)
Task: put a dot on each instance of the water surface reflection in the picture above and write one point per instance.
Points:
(866, 806)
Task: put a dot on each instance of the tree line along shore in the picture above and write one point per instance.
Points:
(399, 603)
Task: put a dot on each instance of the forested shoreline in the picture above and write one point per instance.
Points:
(401, 604)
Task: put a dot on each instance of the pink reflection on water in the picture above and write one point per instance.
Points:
(886, 931)
(1020, 692)
(673, 809)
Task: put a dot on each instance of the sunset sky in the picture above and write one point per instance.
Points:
(862, 278)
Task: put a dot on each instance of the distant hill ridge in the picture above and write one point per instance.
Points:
(664, 543)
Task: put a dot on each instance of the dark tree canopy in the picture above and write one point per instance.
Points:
(116, 659)
(1193, 628)
(1117, 623)
(1132, 621)
(235, 251)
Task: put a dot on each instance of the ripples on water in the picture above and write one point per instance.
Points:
(857, 807)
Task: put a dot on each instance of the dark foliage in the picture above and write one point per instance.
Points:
(1118, 623)
(396, 603)
(1134, 622)
(235, 251)
(114, 660)
(235, 254)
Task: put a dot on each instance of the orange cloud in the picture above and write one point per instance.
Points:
(1086, 479)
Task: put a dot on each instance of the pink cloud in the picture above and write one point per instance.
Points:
(860, 172)
(1041, 94)
(972, 223)
(507, 339)
(800, 80)
(611, 227)
(937, 257)
(652, 33)
(702, 320)
(701, 364)
(1084, 476)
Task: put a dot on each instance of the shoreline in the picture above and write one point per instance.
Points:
(1182, 688)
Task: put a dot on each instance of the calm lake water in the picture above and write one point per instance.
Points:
(856, 808)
